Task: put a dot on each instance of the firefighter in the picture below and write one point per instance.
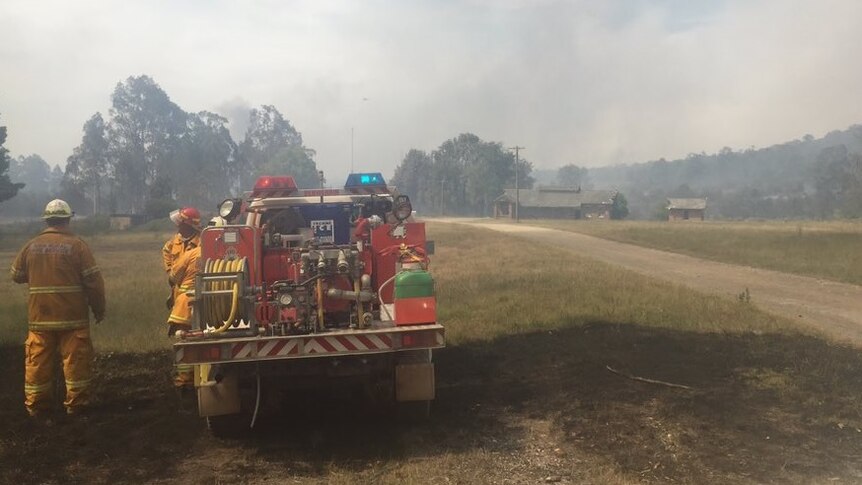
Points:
(183, 273)
(64, 281)
(178, 264)
(188, 222)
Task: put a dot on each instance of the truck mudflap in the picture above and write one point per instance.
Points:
(335, 343)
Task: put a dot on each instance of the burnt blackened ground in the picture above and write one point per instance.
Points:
(763, 409)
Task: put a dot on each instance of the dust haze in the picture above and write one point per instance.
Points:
(590, 83)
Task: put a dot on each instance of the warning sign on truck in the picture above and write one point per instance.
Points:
(324, 230)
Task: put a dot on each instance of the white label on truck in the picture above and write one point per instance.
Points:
(324, 230)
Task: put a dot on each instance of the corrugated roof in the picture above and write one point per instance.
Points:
(691, 204)
(559, 197)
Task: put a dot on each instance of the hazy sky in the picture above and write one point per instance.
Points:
(587, 82)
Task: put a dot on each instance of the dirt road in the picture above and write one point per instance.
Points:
(834, 308)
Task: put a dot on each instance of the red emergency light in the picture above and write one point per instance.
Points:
(274, 186)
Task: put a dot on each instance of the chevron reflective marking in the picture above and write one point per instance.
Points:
(243, 350)
(278, 348)
(339, 343)
(363, 340)
(313, 346)
(347, 343)
(380, 341)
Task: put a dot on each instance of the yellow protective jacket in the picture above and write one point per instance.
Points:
(182, 274)
(175, 247)
(64, 281)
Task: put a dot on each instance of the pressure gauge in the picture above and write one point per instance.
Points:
(285, 299)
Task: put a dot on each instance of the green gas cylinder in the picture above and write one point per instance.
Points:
(415, 283)
(414, 298)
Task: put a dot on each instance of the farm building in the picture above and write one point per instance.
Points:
(121, 222)
(686, 209)
(555, 203)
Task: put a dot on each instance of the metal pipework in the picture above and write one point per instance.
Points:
(343, 266)
(363, 295)
(306, 262)
(366, 282)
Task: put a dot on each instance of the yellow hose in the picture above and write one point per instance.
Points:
(216, 306)
(234, 304)
(207, 309)
(219, 285)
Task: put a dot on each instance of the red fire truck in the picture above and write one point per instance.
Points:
(315, 285)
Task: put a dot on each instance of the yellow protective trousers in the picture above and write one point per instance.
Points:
(183, 374)
(76, 350)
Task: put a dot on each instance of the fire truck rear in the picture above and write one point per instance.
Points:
(316, 286)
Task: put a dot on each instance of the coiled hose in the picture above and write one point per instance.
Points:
(220, 310)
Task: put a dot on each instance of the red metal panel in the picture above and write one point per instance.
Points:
(276, 264)
(231, 242)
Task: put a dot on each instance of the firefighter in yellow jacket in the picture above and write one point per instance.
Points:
(180, 256)
(188, 222)
(65, 283)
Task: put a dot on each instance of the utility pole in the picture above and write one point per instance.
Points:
(517, 189)
(351, 149)
(322, 180)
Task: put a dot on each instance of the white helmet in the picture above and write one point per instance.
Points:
(217, 221)
(57, 208)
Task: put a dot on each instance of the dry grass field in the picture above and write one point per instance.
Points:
(524, 395)
(135, 284)
(825, 249)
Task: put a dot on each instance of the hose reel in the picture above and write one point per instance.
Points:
(221, 301)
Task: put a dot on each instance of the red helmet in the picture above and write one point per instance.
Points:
(187, 215)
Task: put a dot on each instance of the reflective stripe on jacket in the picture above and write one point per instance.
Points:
(64, 281)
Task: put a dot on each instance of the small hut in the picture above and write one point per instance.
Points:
(686, 209)
(121, 222)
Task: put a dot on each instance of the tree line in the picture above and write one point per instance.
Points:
(149, 156)
(805, 178)
(462, 176)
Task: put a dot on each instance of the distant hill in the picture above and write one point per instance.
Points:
(780, 181)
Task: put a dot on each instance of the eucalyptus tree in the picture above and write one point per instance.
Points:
(88, 165)
(8, 189)
(145, 135)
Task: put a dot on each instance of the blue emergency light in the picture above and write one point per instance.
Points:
(356, 180)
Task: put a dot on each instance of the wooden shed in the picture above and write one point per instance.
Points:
(686, 209)
(121, 222)
(555, 203)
